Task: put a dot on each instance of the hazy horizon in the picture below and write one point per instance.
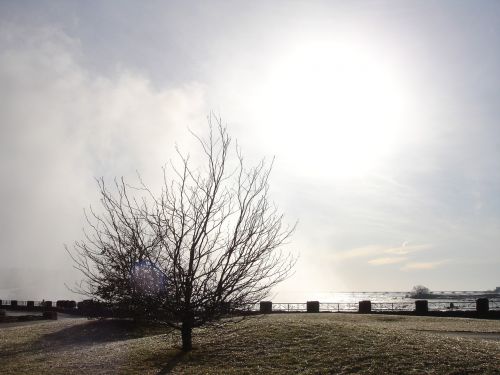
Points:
(382, 116)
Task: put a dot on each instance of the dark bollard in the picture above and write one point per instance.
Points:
(422, 307)
(482, 305)
(13, 303)
(365, 307)
(30, 304)
(266, 307)
(312, 306)
(50, 315)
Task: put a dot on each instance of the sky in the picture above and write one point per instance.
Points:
(382, 116)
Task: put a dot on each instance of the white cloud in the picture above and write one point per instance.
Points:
(374, 250)
(62, 125)
(386, 260)
(423, 265)
(358, 252)
(72, 108)
(405, 249)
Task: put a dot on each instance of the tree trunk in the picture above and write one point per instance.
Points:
(186, 332)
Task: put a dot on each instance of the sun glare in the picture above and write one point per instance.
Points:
(342, 107)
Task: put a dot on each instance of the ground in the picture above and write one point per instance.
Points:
(267, 344)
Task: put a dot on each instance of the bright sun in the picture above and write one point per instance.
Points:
(341, 107)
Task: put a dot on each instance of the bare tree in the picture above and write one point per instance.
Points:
(419, 291)
(209, 242)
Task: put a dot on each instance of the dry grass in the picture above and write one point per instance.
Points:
(271, 344)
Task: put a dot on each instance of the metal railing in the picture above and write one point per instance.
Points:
(378, 306)
(22, 303)
(393, 306)
(338, 307)
(290, 307)
(494, 305)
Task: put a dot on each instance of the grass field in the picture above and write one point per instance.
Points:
(270, 344)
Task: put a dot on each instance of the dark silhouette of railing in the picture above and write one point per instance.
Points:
(480, 305)
(60, 305)
(93, 308)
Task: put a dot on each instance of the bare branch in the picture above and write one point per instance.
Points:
(209, 242)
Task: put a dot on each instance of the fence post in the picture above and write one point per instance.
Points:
(421, 306)
(365, 307)
(482, 305)
(312, 306)
(266, 307)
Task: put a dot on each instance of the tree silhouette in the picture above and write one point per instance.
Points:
(419, 291)
(208, 243)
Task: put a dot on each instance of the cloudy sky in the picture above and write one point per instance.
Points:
(383, 117)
